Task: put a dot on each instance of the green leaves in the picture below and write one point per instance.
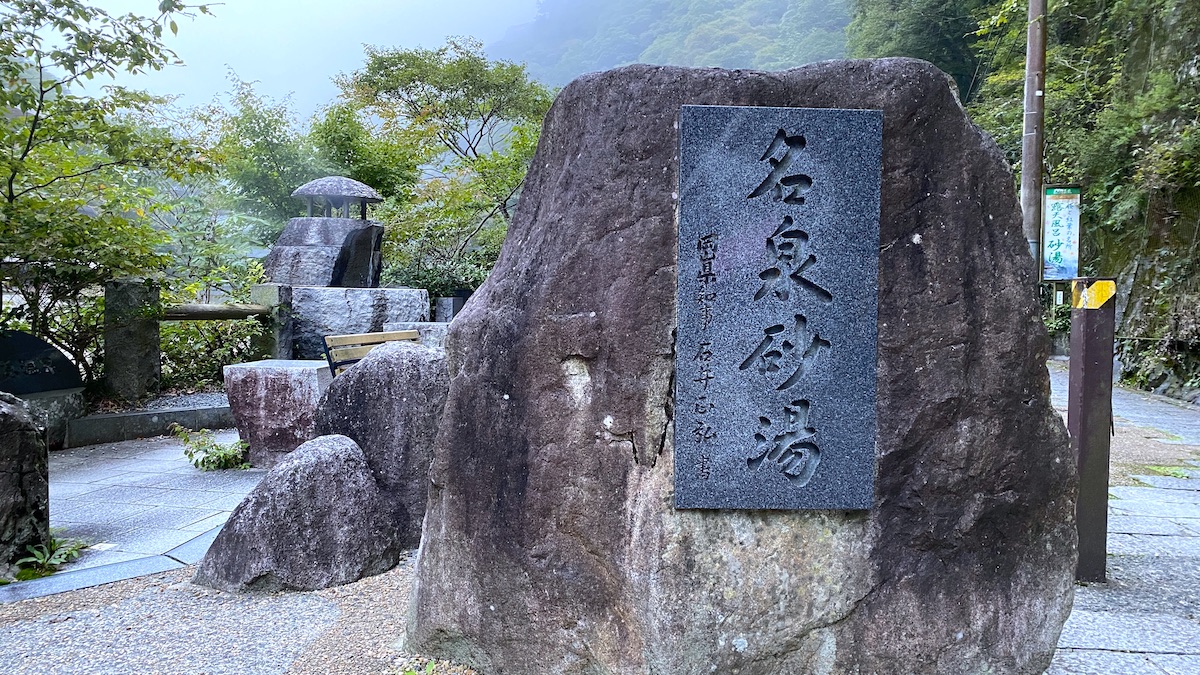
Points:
(472, 124)
(72, 208)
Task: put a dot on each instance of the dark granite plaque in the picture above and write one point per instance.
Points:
(31, 365)
(778, 263)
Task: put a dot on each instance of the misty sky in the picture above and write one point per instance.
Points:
(297, 46)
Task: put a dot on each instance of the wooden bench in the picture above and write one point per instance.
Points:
(343, 351)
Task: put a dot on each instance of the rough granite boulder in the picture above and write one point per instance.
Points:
(317, 312)
(326, 252)
(274, 404)
(390, 403)
(24, 483)
(551, 543)
(316, 520)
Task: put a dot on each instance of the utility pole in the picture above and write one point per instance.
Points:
(1032, 137)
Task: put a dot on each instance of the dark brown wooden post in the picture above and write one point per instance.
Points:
(1089, 416)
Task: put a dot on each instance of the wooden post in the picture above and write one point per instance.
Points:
(1032, 143)
(1089, 416)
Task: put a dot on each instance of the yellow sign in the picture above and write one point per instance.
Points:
(1084, 296)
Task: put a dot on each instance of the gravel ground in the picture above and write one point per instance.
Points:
(165, 624)
(212, 400)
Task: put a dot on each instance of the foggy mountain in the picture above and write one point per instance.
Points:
(570, 37)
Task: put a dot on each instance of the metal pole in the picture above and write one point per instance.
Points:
(1032, 134)
(1089, 416)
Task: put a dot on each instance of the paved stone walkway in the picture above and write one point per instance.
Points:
(140, 505)
(1146, 619)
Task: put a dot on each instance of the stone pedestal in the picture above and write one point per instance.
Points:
(327, 252)
(132, 363)
(320, 311)
(274, 403)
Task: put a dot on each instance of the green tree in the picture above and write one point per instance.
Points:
(71, 207)
(939, 31)
(474, 124)
(263, 153)
(1122, 120)
(386, 162)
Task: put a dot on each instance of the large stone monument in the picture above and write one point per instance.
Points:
(555, 539)
(330, 264)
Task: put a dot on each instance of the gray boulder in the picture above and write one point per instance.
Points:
(24, 483)
(390, 403)
(551, 543)
(317, 312)
(326, 252)
(316, 520)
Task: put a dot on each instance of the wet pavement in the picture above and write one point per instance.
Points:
(139, 505)
(1145, 620)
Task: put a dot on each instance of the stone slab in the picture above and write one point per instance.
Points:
(1148, 507)
(778, 276)
(1170, 482)
(110, 428)
(1101, 662)
(1152, 633)
(1156, 545)
(1151, 525)
(54, 410)
(1178, 664)
(1129, 492)
(193, 550)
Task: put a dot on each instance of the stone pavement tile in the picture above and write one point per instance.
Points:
(1148, 525)
(1124, 492)
(1154, 545)
(1100, 662)
(1127, 632)
(1139, 582)
(168, 452)
(195, 479)
(227, 502)
(1170, 482)
(136, 478)
(209, 523)
(96, 558)
(88, 474)
(121, 494)
(99, 512)
(1178, 664)
(183, 498)
(92, 533)
(63, 490)
(157, 465)
(70, 581)
(168, 517)
(1158, 509)
(192, 551)
(152, 540)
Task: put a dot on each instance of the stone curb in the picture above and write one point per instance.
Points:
(187, 553)
(113, 427)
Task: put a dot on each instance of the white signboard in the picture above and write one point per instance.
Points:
(1060, 233)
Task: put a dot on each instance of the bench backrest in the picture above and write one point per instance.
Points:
(343, 351)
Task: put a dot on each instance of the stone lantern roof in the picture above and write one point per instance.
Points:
(338, 192)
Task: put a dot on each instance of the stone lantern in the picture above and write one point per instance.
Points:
(325, 268)
(334, 248)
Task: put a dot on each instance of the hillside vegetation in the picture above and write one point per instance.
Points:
(1122, 120)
